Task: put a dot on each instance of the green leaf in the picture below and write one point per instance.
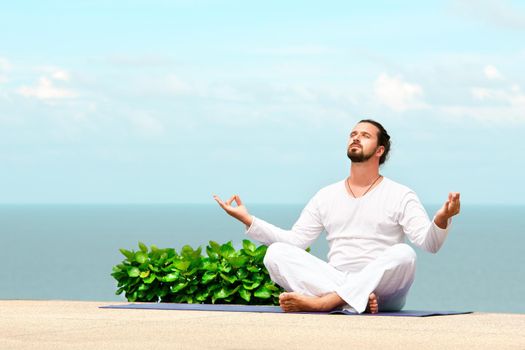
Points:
(150, 278)
(178, 287)
(208, 277)
(224, 292)
(248, 245)
(210, 266)
(182, 264)
(153, 268)
(260, 253)
(232, 292)
(191, 290)
(249, 285)
(258, 277)
(227, 250)
(133, 272)
(129, 255)
(190, 253)
(186, 250)
(143, 247)
(141, 257)
(201, 296)
(225, 267)
(237, 261)
(246, 295)
(262, 293)
(270, 286)
(170, 277)
(253, 268)
(241, 274)
(229, 279)
(191, 272)
(144, 274)
(171, 252)
(211, 253)
(132, 297)
(215, 247)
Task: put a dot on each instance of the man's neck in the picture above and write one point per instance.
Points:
(363, 174)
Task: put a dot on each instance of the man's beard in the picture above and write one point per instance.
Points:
(360, 157)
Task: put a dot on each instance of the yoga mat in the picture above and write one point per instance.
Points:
(269, 309)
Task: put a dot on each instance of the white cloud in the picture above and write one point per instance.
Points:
(147, 125)
(227, 93)
(397, 94)
(4, 64)
(487, 114)
(60, 75)
(297, 50)
(494, 105)
(501, 13)
(492, 72)
(140, 60)
(178, 86)
(45, 90)
(220, 91)
(511, 96)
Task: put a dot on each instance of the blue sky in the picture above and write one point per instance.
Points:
(171, 101)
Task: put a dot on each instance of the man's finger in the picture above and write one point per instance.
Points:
(447, 206)
(229, 201)
(219, 201)
(238, 200)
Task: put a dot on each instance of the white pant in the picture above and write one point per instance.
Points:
(389, 276)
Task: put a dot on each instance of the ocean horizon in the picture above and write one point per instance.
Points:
(67, 251)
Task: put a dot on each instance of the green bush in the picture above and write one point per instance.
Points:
(224, 275)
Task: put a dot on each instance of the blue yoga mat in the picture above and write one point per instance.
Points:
(270, 309)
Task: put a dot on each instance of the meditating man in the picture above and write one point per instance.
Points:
(366, 218)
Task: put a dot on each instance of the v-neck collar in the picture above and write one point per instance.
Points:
(349, 195)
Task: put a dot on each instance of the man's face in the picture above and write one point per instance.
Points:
(362, 143)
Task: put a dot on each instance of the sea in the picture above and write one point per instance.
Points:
(66, 252)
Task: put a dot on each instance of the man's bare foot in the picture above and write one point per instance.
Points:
(295, 302)
(373, 305)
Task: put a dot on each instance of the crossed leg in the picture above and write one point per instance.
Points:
(314, 285)
(294, 302)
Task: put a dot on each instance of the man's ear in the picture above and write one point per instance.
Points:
(380, 150)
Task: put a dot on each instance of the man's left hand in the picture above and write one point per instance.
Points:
(448, 210)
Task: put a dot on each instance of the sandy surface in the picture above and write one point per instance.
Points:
(82, 325)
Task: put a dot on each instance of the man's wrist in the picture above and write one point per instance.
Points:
(247, 220)
(441, 222)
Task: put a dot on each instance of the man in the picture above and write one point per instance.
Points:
(366, 217)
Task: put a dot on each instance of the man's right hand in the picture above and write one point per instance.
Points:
(239, 212)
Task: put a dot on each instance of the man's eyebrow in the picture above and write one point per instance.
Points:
(360, 132)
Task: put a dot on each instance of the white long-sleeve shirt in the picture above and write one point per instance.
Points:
(358, 229)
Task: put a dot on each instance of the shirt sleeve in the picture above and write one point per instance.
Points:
(303, 233)
(421, 231)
